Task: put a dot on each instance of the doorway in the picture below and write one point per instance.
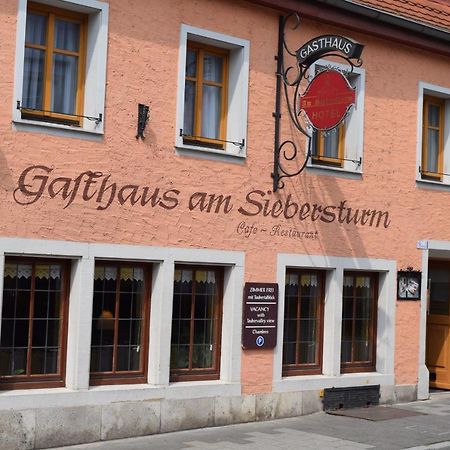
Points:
(438, 324)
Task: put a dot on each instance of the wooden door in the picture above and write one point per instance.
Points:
(438, 324)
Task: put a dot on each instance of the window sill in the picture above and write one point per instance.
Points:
(211, 153)
(334, 171)
(96, 395)
(56, 129)
(431, 184)
(316, 382)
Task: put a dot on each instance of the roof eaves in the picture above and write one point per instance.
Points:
(391, 18)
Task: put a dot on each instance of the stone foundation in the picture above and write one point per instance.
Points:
(52, 427)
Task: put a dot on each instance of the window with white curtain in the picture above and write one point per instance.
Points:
(212, 92)
(205, 95)
(432, 137)
(433, 143)
(53, 76)
(60, 74)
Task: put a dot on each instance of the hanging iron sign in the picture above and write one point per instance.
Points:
(315, 48)
(325, 103)
(327, 99)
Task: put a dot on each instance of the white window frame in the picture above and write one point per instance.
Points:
(83, 256)
(443, 93)
(331, 361)
(237, 102)
(95, 76)
(354, 130)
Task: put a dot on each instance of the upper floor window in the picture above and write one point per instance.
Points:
(212, 93)
(34, 323)
(432, 138)
(205, 95)
(61, 64)
(53, 76)
(120, 323)
(433, 145)
(341, 148)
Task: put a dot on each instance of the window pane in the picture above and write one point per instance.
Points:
(212, 68)
(362, 330)
(179, 357)
(19, 364)
(45, 333)
(202, 356)
(21, 333)
(289, 353)
(191, 63)
(125, 306)
(67, 35)
(439, 291)
(290, 330)
(33, 75)
(105, 354)
(123, 358)
(307, 353)
(290, 307)
(361, 351)
(308, 307)
(346, 351)
(6, 361)
(7, 339)
(65, 82)
(433, 151)
(41, 300)
(433, 115)
(363, 308)
(189, 108)
(331, 143)
(9, 304)
(211, 111)
(36, 29)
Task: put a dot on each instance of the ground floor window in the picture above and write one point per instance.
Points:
(303, 322)
(34, 323)
(359, 319)
(196, 323)
(120, 322)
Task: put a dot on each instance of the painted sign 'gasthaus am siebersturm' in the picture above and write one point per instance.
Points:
(195, 233)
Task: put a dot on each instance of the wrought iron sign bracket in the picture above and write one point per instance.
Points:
(289, 77)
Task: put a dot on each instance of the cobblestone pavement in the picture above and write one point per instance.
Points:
(430, 430)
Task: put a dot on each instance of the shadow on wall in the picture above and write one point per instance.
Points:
(340, 231)
(7, 185)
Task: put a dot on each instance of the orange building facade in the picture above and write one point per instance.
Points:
(124, 253)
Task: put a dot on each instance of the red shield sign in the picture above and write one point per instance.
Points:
(327, 99)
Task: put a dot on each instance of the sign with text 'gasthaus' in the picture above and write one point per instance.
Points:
(320, 45)
(259, 321)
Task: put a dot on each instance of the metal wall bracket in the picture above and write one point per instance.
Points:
(143, 114)
(288, 80)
